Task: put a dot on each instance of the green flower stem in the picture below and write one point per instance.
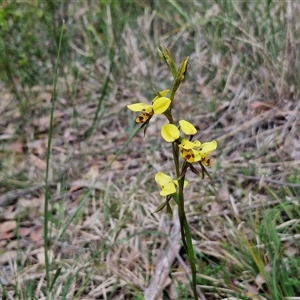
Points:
(172, 95)
(187, 236)
(180, 200)
(169, 116)
(176, 158)
(184, 226)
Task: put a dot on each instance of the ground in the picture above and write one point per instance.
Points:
(93, 168)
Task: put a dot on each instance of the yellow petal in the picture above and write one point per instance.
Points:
(161, 105)
(140, 107)
(185, 183)
(162, 93)
(168, 189)
(197, 155)
(170, 132)
(206, 148)
(162, 179)
(186, 144)
(197, 143)
(187, 127)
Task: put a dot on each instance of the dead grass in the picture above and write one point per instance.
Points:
(242, 89)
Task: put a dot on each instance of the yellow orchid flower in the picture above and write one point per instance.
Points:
(205, 149)
(191, 151)
(197, 153)
(167, 184)
(159, 105)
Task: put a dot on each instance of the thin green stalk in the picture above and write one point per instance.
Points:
(184, 226)
(187, 236)
(47, 186)
(172, 95)
(180, 199)
(176, 158)
(191, 256)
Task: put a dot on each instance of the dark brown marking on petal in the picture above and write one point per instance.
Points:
(141, 119)
(144, 117)
(206, 161)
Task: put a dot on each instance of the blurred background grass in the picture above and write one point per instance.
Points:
(242, 88)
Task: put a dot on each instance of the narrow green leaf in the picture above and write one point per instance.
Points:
(57, 273)
(161, 207)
